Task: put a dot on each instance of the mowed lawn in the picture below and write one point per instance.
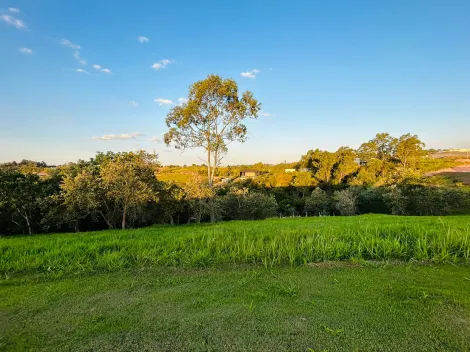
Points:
(368, 283)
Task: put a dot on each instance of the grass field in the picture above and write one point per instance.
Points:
(365, 283)
(269, 243)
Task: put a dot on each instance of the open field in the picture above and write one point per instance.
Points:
(269, 243)
(364, 283)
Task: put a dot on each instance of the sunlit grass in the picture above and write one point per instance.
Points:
(275, 242)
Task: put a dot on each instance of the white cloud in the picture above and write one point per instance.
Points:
(99, 68)
(81, 70)
(265, 114)
(250, 74)
(161, 101)
(76, 55)
(69, 44)
(142, 39)
(182, 100)
(162, 64)
(155, 139)
(12, 9)
(133, 103)
(12, 21)
(122, 136)
(25, 51)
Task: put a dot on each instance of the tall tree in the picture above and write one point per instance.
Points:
(408, 149)
(345, 164)
(382, 147)
(211, 119)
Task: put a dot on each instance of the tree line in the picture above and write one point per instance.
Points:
(121, 190)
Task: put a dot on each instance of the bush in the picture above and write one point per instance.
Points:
(248, 206)
(257, 205)
(396, 201)
(434, 200)
(319, 203)
(345, 202)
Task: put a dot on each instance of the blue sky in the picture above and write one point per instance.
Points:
(328, 73)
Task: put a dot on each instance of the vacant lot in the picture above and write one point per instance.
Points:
(368, 283)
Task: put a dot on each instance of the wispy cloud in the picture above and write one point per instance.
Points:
(77, 57)
(80, 70)
(69, 44)
(161, 101)
(96, 67)
(250, 74)
(142, 39)
(13, 9)
(12, 21)
(133, 103)
(25, 51)
(265, 114)
(106, 70)
(155, 139)
(122, 136)
(162, 64)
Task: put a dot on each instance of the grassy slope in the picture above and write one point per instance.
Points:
(270, 243)
(334, 307)
(140, 290)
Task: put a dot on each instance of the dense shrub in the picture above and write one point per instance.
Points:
(345, 202)
(319, 203)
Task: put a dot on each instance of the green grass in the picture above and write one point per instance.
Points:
(365, 283)
(270, 243)
(324, 307)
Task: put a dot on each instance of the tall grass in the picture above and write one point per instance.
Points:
(270, 243)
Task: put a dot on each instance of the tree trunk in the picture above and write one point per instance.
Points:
(212, 209)
(25, 215)
(76, 227)
(209, 167)
(123, 224)
(110, 225)
(172, 222)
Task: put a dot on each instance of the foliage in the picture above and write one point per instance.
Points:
(129, 180)
(211, 118)
(345, 202)
(319, 203)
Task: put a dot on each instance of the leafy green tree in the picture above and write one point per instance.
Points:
(83, 194)
(320, 162)
(129, 180)
(396, 200)
(318, 203)
(345, 202)
(304, 180)
(210, 119)
(381, 147)
(21, 194)
(257, 205)
(198, 195)
(345, 164)
(408, 149)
